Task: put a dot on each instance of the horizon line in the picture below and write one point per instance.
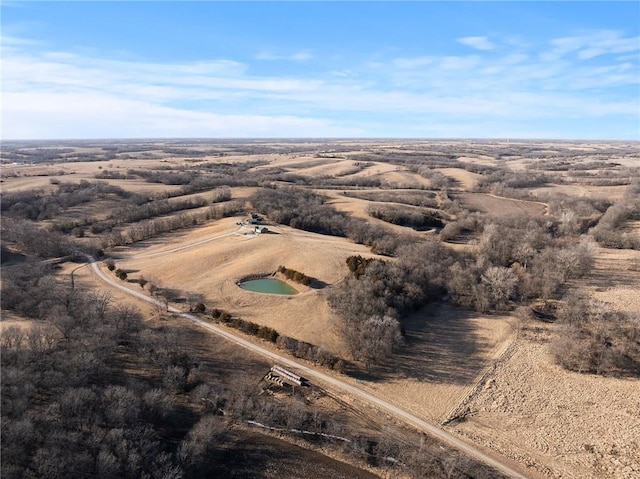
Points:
(319, 138)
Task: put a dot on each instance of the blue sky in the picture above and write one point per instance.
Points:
(321, 69)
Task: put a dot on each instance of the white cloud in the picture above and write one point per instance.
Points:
(8, 40)
(58, 94)
(65, 115)
(342, 73)
(433, 62)
(415, 62)
(459, 63)
(301, 56)
(591, 45)
(479, 43)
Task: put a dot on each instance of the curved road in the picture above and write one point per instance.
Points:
(308, 372)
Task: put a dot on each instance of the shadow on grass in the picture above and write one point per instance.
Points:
(442, 345)
(315, 283)
(258, 456)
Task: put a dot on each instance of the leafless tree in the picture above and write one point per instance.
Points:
(12, 337)
(126, 318)
(120, 406)
(42, 338)
(501, 284)
(196, 450)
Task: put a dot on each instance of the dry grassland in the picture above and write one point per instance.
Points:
(612, 193)
(615, 279)
(212, 268)
(446, 352)
(564, 424)
(402, 179)
(560, 424)
(376, 169)
(466, 179)
(9, 319)
(497, 206)
(357, 208)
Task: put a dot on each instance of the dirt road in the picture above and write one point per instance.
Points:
(190, 245)
(332, 382)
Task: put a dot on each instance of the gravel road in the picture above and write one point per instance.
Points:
(327, 380)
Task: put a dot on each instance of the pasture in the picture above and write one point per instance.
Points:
(452, 358)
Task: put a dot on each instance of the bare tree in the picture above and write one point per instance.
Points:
(501, 283)
(42, 338)
(100, 301)
(126, 318)
(196, 450)
(379, 337)
(12, 337)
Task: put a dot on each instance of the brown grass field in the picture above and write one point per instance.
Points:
(212, 268)
(556, 423)
(497, 206)
(564, 424)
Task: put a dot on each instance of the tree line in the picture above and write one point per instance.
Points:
(303, 209)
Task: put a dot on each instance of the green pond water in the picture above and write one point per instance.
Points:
(267, 285)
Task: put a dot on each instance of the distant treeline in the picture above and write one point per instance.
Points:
(418, 219)
(38, 205)
(146, 216)
(303, 209)
(610, 232)
(414, 198)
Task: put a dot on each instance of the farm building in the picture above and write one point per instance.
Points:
(254, 219)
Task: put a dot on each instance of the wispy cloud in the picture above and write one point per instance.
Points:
(9, 41)
(411, 63)
(99, 115)
(591, 45)
(60, 94)
(301, 56)
(479, 43)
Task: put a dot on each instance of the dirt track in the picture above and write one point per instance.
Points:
(327, 380)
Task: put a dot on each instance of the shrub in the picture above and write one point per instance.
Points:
(357, 264)
(450, 231)
(294, 275)
(267, 333)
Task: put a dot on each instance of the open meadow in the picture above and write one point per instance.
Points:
(487, 287)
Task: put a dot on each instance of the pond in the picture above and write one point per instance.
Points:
(267, 285)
